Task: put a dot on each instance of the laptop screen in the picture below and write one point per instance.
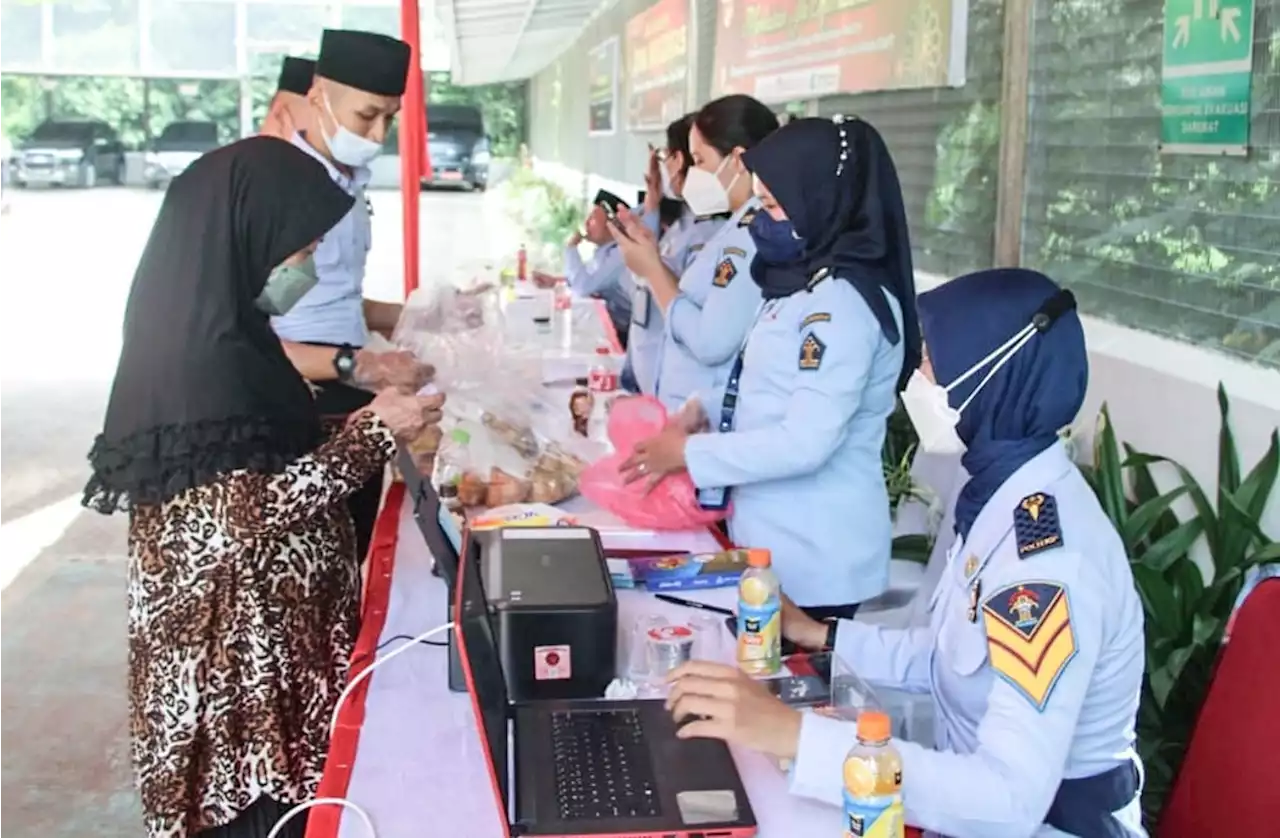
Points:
(481, 649)
(440, 531)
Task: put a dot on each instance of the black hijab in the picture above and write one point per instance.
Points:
(837, 184)
(203, 386)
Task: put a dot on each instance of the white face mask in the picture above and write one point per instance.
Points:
(348, 147)
(703, 191)
(930, 410)
(668, 191)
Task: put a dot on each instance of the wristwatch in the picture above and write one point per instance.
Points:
(344, 363)
(830, 642)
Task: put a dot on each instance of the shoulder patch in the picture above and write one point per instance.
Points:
(1029, 637)
(747, 218)
(1036, 525)
(725, 272)
(819, 317)
(735, 251)
(811, 351)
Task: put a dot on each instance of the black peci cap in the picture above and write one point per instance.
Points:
(296, 75)
(605, 198)
(364, 60)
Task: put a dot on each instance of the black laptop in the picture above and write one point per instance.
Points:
(580, 768)
(444, 541)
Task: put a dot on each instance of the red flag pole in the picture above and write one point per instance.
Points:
(413, 141)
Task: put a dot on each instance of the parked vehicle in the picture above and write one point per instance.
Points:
(458, 145)
(70, 153)
(177, 147)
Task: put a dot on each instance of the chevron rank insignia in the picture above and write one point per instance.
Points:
(1029, 637)
(725, 272)
(747, 218)
(811, 351)
(1035, 523)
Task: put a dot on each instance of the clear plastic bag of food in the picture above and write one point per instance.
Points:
(460, 334)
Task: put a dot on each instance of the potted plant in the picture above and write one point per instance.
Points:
(1186, 604)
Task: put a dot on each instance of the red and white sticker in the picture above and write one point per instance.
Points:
(551, 663)
(671, 634)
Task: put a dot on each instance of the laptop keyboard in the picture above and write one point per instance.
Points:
(603, 769)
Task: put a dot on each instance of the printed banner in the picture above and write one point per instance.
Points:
(657, 65)
(1206, 78)
(602, 64)
(783, 50)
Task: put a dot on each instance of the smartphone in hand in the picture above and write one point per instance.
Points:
(611, 216)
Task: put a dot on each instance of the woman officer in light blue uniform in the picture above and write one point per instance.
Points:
(1034, 651)
(801, 423)
(683, 239)
(709, 308)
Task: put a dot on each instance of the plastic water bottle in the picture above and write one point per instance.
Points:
(759, 616)
(873, 782)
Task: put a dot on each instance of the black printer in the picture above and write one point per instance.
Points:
(553, 610)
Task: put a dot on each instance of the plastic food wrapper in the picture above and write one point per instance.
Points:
(510, 444)
(672, 504)
(459, 333)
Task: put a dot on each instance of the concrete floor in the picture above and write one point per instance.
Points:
(66, 262)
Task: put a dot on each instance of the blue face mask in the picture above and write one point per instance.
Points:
(776, 241)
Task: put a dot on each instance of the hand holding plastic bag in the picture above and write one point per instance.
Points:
(669, 504)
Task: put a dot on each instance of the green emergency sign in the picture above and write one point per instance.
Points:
(1207, 76)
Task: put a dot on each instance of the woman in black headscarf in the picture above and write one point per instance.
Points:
(243, 591)
(801, 424)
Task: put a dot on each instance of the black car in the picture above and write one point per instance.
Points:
(70, 153)
(177, 147)
(458, 145)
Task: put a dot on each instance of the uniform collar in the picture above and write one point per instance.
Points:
(359, 177)
(752, 204)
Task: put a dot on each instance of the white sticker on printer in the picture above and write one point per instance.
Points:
(551, 663)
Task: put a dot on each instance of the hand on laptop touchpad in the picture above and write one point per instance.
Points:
(699, 807)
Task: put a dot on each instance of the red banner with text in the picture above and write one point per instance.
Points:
(784, 50)
(656, 57)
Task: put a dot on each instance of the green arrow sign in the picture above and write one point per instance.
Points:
(1206, 82)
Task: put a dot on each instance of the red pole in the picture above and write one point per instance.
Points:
(413, 141)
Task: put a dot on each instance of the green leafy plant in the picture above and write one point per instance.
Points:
(896, 459)
(1186, 608)
(545, 213)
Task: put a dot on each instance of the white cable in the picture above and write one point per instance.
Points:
(364, 673)
(323, 801)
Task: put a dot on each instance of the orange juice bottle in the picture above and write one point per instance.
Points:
(759, 616)
(873, 782)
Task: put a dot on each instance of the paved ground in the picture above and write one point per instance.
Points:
(66, 262)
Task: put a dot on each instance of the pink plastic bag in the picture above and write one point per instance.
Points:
(672, 504)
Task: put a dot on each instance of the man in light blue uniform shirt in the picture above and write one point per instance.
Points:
(1034, 652)
(603, 276)
(354, 98)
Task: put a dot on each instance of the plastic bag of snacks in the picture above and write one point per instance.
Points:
(503, 445)
(672, 503)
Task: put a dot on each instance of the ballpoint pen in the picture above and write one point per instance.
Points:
(691, 603)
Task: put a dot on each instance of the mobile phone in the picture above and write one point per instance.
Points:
(800, 690)
(611, 216)
(788, 648)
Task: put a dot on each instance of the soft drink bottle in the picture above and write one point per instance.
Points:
(759, 616)
(873, 782)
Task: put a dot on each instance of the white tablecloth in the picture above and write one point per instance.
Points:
(407, 750)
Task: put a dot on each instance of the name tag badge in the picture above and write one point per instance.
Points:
(640, 300)
(714, 500)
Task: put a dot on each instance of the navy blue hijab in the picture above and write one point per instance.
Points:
(838, 186)
(1035, 394)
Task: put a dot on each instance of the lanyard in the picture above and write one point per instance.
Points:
(718, 498)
